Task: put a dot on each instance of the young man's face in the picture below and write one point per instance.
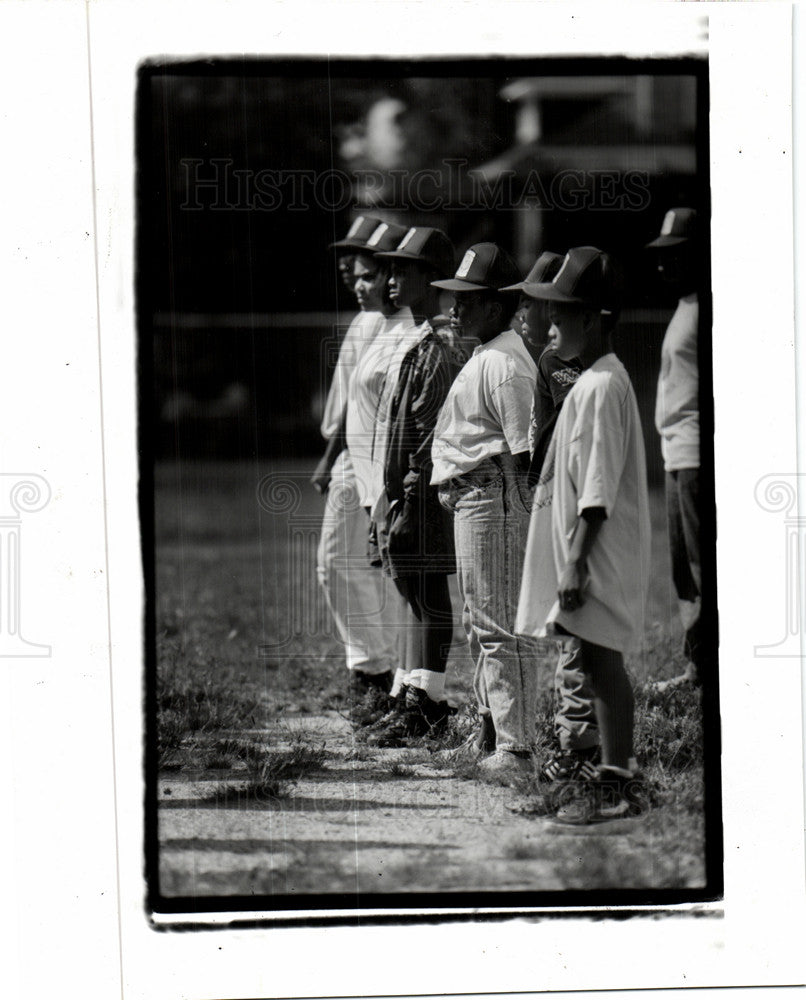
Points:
(345, 263)
(674, 267)
(533, 315)
(408, 284)
(369, 281)
(569, 329)
(474, 314)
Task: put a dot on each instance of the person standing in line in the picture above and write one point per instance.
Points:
(480, 461)
(359, 333)
(363, 397)
(355, 593)
(677, 420)
(575, 727)
(414, 532)
(591, 511)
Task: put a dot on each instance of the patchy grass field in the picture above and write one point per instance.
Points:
(263, 788)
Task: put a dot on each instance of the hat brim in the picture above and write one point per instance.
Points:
(527, 287)
(402, 255)
(416, 259)
(350, 246)
(549, 292)
(457, 285)
(667, 241)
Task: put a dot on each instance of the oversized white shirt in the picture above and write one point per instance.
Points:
(364, 395)
(360, 333)
(677, 408)
(596, 459)
(486, 412)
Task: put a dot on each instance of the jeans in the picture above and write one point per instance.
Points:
(364, 604)
(575, 722)
(491, 506)
(683, 516)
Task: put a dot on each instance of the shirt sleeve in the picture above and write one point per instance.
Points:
(432, 378)
(336, 402)
(598, 450)
(512, 403)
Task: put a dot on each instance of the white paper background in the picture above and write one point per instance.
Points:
(74, 820)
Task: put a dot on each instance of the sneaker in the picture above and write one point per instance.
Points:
(505, 766)
(571, 765)
(413, 717)
(609, 799)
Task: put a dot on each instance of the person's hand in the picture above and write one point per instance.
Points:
(571, 587)
(320, 480)
(403, 530)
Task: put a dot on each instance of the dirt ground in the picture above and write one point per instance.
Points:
(378, 824)
(365, 820)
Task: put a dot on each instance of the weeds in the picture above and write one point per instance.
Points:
(199, 706)
(271, 774)
(401, 770)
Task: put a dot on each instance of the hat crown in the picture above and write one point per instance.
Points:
(362, 227)
(545, 268)
(426, 244)
(488, 265)
(385, 236)
(679, 222)
(586, 276)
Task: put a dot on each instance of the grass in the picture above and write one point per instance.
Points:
(271, 773)
(226, 585)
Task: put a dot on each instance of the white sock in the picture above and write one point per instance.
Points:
(401, 677)
(430, 681)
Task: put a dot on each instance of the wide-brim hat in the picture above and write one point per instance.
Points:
(484, 267)
(385, 236)
(357, 235)
(544, 270)
(426, 244)
(585, 278)
(679, 226)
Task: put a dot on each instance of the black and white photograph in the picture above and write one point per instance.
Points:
(428, 621)
(401, 578)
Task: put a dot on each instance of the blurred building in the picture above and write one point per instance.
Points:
(245, 178)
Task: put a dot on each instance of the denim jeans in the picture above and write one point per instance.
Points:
(364, 604)
(491, 506)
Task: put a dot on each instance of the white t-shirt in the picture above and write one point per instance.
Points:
(596, 459)
(677, 408)
(487, 409)
(364, 394)
(410, 337)
(360, 332)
